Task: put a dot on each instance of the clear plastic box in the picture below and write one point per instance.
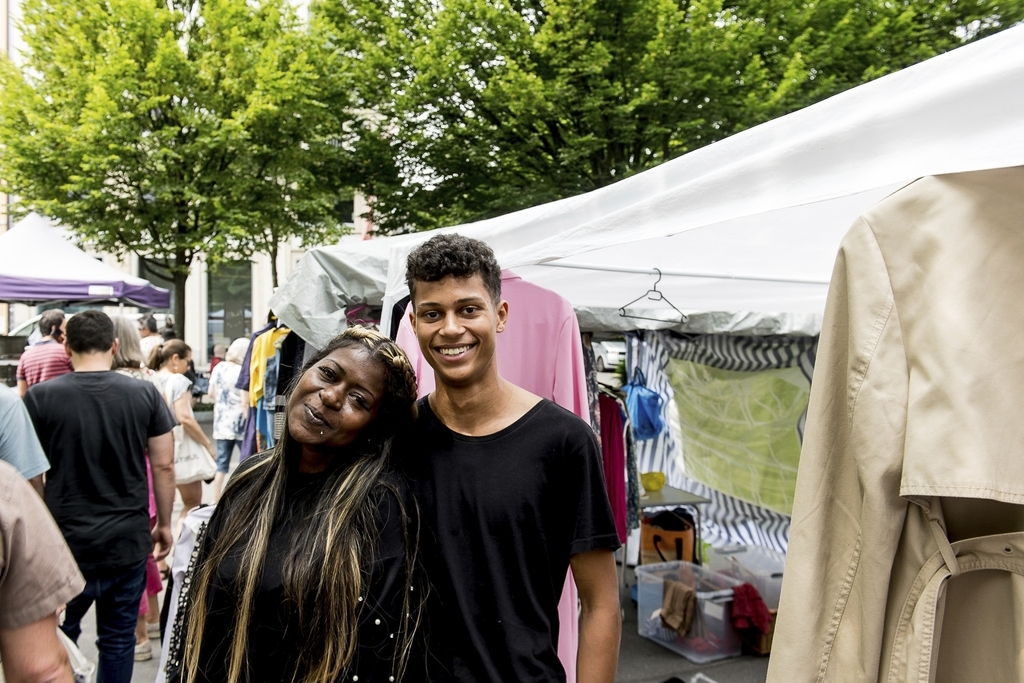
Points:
(711, 635)
(759, 566)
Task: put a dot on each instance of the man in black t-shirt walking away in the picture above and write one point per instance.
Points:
(510, 489)
(95, 426)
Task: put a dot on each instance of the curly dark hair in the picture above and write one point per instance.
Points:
(455, 255)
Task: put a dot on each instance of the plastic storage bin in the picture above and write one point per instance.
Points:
(711, 635)
(753, 564)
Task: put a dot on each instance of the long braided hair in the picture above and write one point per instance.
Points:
(325, 572)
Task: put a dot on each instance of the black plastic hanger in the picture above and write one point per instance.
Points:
(653, 294)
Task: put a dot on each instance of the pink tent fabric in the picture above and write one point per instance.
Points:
(541, 351)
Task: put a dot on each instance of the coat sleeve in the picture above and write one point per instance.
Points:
(847, 513)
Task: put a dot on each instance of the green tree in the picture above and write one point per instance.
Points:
(175, 128)
(487, 106)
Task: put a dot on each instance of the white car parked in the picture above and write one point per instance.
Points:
(608, 354)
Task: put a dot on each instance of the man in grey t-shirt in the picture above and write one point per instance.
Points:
(19, 445)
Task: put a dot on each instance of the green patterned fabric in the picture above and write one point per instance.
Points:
(740, 429)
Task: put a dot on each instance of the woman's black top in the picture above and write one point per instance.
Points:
(274, 639)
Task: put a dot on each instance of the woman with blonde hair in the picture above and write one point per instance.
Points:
(229, 413)
(305, 572)
(170, 360)
(128, 360)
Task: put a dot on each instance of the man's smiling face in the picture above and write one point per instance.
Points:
(457, 324)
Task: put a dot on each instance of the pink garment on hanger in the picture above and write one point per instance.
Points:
(541, 351)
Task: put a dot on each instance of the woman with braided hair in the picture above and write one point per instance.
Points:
(305, 572)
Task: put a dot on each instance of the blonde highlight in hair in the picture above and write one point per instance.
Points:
(326, 569)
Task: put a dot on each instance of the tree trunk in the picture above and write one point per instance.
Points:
(273, 265)
(180, 274)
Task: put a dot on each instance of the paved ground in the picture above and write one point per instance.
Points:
(640, 660)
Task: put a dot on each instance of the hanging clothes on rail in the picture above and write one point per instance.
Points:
(593, 388)
(613, 446)
(248, 445)
(270, 357)
(263, 367)
(620, 469)
(540, 351)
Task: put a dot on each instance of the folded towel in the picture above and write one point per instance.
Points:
(678, 603)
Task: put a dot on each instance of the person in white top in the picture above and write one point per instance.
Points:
(149, 338)
(229, 412)
(170, 360)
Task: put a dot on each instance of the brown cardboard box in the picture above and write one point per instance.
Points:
(760, 643)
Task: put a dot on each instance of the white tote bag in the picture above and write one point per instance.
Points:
(192, 462)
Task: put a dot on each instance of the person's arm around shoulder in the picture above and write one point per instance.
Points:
(600, 620)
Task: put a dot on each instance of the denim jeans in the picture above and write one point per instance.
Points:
(117, 595)
(225, 447)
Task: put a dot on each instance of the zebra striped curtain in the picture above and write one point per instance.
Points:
(725, 519)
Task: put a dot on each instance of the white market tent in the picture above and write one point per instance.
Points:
(744, 231)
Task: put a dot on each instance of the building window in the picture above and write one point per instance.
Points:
(229, 312)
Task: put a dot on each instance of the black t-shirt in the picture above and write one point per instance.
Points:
(502, 514)
(274, 637)
(94, 427)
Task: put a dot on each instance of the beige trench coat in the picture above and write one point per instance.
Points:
(906, 557)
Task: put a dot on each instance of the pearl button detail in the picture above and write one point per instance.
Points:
(377, 622)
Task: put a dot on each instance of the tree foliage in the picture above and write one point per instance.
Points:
(487, 106)
(170, 128)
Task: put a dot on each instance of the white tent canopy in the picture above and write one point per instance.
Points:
(744, 231)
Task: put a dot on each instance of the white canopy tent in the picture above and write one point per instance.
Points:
(744, 231)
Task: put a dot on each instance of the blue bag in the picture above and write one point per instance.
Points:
(644, 406)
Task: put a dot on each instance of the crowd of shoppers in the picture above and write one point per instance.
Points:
(98, 428)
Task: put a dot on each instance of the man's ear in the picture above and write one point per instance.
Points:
(67, 347)
(502, 311)
(113, 349)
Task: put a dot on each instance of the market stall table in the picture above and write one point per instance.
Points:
(669, 496)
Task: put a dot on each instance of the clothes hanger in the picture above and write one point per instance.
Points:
(652, 294)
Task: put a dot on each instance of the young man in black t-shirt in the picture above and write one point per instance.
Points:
(95, 426)
(510, 489)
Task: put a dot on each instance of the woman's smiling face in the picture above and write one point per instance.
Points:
(336, 399)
